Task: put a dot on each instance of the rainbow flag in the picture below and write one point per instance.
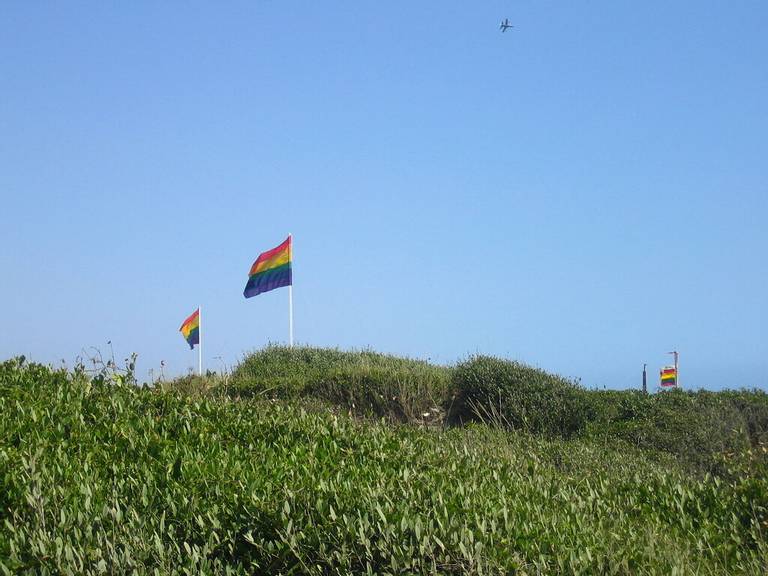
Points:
(669, 376)
(271, 270)
(190, 329)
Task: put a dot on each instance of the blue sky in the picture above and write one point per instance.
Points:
(583, 193)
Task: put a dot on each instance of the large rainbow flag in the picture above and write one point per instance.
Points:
(669, 376)
(190, 329)
(271, 270)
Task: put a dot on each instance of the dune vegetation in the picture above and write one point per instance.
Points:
(317, 461)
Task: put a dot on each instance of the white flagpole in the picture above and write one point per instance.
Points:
(200, 340)
(677, 371)
(290, 295)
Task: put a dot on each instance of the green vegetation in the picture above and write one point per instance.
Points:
(519, 397)
(697, 427)
(98, 475)
(366, 382)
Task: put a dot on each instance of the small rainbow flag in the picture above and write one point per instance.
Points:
(271, 270)
(669, 376)
(190, 329)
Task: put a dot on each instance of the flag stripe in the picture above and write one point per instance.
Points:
(193, 337)
(192, 322)
(668, 376)
(190, 329)
(274, 262)
(271, 270)
(268, 280)
(272, 258)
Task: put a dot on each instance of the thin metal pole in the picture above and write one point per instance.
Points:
(290, 316)
(290, 294)
(677, 371)
(200, 340)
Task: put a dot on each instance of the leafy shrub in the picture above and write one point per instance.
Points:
(363, 382)
(101, 477)
(753, 407)
(696, 427)
(519, 397)
(195, 384)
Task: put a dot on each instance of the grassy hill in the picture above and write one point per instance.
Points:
(698, 427)
(321, 461)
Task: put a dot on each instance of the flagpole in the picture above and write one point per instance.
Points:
(290, 294)
(677, 371)
(200, 340)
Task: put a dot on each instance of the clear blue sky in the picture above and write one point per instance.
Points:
(583, 193)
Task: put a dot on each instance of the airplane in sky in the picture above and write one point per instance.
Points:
(505, 24)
